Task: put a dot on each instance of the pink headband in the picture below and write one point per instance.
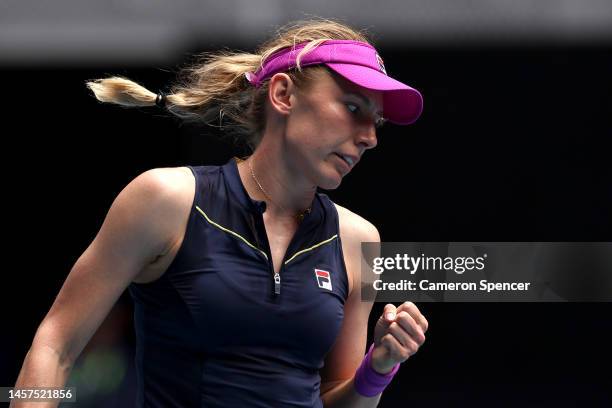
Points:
(356, 61)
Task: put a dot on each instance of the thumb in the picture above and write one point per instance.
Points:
(389, 312)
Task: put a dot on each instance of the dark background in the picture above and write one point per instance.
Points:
(513, 145)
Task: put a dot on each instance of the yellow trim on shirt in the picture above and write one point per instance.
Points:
(222, 228)
(311, 248)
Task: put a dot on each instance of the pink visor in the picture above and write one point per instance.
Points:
(356, 61)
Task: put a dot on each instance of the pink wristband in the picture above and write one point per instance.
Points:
(369, 382)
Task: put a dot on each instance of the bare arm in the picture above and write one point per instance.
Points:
(396, 338)
(140, 225)
(341, 363)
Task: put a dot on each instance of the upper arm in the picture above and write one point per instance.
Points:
(137, 227)
(349, 349)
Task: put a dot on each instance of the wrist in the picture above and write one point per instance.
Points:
(369, 382)
(380, 369)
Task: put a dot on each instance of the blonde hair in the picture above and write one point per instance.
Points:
(214, 87)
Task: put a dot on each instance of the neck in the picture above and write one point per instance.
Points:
(287, 192)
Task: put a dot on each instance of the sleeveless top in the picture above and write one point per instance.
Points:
(218, 328)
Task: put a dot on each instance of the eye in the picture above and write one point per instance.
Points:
(356, 108)
(380, 122)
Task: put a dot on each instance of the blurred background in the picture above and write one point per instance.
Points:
(513, 145)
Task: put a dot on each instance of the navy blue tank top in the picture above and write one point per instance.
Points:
(218, 328)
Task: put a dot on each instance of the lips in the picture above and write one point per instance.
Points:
(348, 159)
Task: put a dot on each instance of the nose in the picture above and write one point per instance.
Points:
(367, 137)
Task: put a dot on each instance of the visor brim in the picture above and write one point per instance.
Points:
(402, 104)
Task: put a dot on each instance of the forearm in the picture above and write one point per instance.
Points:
(43, 366)
(344, 396)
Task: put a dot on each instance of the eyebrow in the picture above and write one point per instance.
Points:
(366, 101)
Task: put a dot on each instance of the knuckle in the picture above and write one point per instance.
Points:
(408, 304)
(421, 336)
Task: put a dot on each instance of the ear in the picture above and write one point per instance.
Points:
(280, 90)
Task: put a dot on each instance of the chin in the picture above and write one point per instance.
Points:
(330, 181)
(329, 186)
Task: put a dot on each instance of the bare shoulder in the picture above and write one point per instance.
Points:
(167, 192)
(157, 204)
(167, 179)
(164, 198)
(169, 188)
(356, 228)
(172, 189)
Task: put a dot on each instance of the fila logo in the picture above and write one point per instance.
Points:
(381, 65)
(323, 279)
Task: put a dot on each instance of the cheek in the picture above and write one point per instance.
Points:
(334, 124)
(315, 132)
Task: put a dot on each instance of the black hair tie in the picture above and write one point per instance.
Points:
(160, 100)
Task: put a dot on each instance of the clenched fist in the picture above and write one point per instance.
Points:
(398, 334)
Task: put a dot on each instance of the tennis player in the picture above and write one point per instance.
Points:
(246, 279)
